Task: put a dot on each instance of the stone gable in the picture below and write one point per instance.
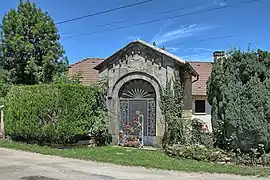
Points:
(145, 64)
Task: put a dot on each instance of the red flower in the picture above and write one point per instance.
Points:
(127, 126)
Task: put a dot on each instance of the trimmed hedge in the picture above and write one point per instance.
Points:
(54, 113)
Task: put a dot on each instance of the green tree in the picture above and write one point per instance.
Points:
(239, 92)
(29, 45)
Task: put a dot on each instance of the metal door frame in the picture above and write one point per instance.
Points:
(147, 113)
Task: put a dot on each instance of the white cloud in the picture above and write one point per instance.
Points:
(220, 2)
(198, 58)
(199, 49)
(172, 49)
(190, 56)
(182, 32)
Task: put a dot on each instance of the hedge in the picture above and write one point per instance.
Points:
(54, 113)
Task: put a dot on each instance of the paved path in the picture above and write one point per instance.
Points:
(19, 165)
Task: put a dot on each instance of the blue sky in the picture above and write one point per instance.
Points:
(248, 22)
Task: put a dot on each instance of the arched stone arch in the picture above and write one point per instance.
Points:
(115, 101)
(136, 75)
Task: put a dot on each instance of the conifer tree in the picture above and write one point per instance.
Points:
(239, 92)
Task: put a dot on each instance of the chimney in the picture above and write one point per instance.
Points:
(218, 54)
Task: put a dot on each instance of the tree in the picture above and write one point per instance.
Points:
(29, 45)
(239, 92)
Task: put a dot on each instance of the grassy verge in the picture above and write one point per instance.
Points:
(138, 157)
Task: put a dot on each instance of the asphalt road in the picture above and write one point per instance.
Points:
(19, 165)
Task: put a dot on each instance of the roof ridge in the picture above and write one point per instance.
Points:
(85, 59)
(166, 53)
(200, 61)
(173, 56)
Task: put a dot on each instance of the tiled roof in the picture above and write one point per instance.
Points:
(204, 70)
(88, 74)
(85, 70)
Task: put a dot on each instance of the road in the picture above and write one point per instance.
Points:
(19, 165)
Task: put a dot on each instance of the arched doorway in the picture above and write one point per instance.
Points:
(138, 110)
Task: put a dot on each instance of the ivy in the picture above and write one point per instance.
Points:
(172, 109)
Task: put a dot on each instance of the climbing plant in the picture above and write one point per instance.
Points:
(172, 109)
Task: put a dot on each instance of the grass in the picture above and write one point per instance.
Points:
(139, 157)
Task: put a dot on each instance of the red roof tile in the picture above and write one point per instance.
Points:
(204, 70)
(85, 70)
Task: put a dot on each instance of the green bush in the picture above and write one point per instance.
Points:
(4, 85)
(202, 153)
(198, 136)
(238, 90)
(54, 113)
(198, 152)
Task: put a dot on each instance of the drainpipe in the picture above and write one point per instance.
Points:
(197, 78)
(194, 72)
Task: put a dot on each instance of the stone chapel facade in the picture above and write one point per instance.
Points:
(137, 74)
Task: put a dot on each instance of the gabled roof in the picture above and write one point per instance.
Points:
(84, 69)
(92, 59)
(166, 53)
(204, 69)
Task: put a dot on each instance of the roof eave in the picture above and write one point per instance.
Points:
(191, 70)
(97, 66)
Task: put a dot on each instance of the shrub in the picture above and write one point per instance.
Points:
(238, 90)
(199, 136)
(63, 78)
(4, 85)
(202, 153)
(54, 113)
(198, 152)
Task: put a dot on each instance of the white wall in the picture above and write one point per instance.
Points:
(205, 117)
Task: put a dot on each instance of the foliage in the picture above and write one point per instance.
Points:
(63, 78)
(4, 85)
(29, 45)
(172, 108)
(202, 153)
(199, 136)
(197, 152)
(139, 157)
(238, 90)
(54, 113)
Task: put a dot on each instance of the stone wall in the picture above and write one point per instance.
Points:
(135, 66)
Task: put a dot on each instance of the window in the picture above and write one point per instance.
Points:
(199, 106)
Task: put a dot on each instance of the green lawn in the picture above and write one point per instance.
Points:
(138, 157)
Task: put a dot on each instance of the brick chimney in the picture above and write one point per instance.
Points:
(218, 54)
